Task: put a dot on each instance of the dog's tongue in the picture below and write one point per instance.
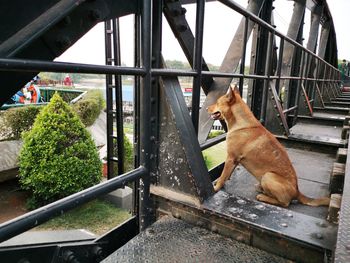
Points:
(215, 115)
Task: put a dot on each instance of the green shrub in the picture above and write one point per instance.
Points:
(89, 107)
(87, 110)
(208, 161)
(58, 157)
(98, 96)
(128, 155)
(14, 121)
(213, 134)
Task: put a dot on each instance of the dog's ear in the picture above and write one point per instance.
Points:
(231, 95)
(235, 88)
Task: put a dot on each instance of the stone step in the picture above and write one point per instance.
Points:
(48, 237)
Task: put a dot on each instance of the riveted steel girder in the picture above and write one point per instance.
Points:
(45, 29)
(230, 62)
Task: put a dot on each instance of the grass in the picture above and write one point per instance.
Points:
(128, 128)
(215, 155)
(96, 216)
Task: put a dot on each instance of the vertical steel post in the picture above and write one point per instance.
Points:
(279, 68)
(109, 99)
(300, 82)
(197, 63)
(241, 70)
(136, 115)
(145, 111)
(157, 20)
(118, 97)
(313, 94)
(268, 67)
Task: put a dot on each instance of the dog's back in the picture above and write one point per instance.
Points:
(249, 143)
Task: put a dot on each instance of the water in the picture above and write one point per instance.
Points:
(127, 93)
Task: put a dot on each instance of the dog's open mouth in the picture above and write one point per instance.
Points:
(216, 115)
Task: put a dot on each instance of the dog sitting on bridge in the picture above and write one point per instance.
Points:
(249, 143)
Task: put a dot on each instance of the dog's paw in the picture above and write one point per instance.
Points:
(259, 188)
(260, 197)
(217, 187)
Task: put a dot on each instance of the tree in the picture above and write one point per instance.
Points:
(58, 157)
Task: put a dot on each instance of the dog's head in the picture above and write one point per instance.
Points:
(222, 108)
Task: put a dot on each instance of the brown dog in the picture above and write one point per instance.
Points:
(249, 143)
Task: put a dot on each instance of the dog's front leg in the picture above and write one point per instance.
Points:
(230, 165)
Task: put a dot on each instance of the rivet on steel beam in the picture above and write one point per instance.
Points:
(69, 257)
(200, 223)
(183, 10)
(214, 228)
(319, 236)
(182, 28)
(63, 42)
(177, 215)
(153, 119)
(322, 224)
(240, 238)
(153, 100)
(97, 251)
(66, 21)
(94, 15)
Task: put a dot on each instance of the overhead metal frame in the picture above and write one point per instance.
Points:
(148, 48)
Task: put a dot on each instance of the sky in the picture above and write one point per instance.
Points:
(220, 23)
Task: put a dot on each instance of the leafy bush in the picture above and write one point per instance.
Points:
(89, 107)
(87, 110)
(65, 95)
(208, 161)
(58, 157)
(213, 134)
(128, 155)
(14, 121)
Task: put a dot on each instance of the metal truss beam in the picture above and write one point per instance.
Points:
(43, 33)
(229, 64)
(296, 23)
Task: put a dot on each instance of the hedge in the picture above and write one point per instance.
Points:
(89, 107)
(58, 157)
(128, 155)
(14, 121)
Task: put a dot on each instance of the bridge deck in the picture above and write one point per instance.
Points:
(313, 170)
(172, 240)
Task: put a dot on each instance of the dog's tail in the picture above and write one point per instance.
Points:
(313, 202)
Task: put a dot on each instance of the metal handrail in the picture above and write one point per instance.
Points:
(30, 65)
(34, 218)
(258, 20)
